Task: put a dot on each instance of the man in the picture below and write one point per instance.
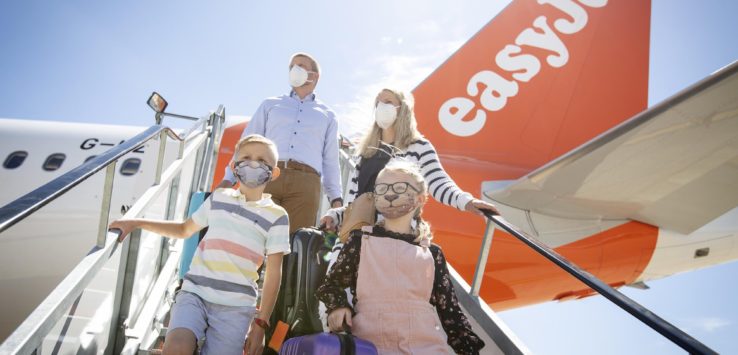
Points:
(306, 133)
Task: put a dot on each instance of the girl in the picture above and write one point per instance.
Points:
(403, 300)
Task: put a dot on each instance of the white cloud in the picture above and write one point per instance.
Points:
(401, 68)
(708, 324)
(711, 324)
(428, 27)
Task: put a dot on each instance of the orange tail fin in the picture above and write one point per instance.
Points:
(540, 79)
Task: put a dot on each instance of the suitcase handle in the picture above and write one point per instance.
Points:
(348, 346)
(345, 329)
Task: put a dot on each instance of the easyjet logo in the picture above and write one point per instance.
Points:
(523, 66)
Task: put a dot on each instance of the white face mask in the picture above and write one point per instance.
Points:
(385, 114)
(298, 76)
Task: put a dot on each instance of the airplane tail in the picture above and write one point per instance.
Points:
(540, 79)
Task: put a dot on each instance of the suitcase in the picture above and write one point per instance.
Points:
(302, 272)
(328, 344)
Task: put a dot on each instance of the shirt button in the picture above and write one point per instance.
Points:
(300, 110)
(294, 132)
(292, 146)
(298, 121)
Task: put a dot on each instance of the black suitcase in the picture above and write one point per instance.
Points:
(302, 272)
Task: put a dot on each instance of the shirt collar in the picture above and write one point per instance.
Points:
(310, 97)
(266, 199)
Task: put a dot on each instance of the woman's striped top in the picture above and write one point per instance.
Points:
(440, 185)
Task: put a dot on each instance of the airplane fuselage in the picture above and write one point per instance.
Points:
(38, 252)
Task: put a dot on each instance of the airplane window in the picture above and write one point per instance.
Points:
(702, 252)
(15, 159)
(90, 158)
(130, 166)
(54, 161)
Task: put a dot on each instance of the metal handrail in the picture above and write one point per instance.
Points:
(676, 335)
(211, 155)
(347, 154)
(343, 138)
(31, 332)
(24, 206)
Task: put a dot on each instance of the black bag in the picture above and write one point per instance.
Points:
(302, 272)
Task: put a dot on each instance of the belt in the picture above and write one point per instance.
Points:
(295, 165)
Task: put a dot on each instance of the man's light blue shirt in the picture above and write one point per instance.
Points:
(303, 130)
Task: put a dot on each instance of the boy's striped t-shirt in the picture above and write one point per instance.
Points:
(224, 267)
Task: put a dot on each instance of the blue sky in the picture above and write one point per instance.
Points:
(97, 61)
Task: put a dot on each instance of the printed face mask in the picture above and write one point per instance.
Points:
(385, 115)
(392, 205)
(298, 76)
(252, 173)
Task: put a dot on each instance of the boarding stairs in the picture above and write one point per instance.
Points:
(117, 299)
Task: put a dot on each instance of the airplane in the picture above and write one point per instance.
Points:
(514, 114)
(503, 113)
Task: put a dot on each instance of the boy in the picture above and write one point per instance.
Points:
(219, 293)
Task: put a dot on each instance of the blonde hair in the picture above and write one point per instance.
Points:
(313, 62)
(406, 127)
(411, 169)
(257, 138)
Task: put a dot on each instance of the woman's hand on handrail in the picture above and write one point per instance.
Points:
(476, 206)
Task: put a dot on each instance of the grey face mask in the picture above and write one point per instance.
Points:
(252, 173)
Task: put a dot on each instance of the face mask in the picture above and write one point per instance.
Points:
(252, 173)
(385, 115)
(298, 76)
(396, 210)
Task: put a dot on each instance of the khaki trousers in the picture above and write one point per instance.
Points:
(298, 192)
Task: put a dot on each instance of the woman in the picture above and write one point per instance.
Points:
(402, 292)
(395, 133)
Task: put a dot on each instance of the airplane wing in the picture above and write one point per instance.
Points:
(674, 165)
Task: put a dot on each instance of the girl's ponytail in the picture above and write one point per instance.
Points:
(422, 228)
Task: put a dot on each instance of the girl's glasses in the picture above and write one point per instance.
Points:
(398, 187)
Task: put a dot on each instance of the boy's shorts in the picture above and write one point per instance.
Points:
(222, 327)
